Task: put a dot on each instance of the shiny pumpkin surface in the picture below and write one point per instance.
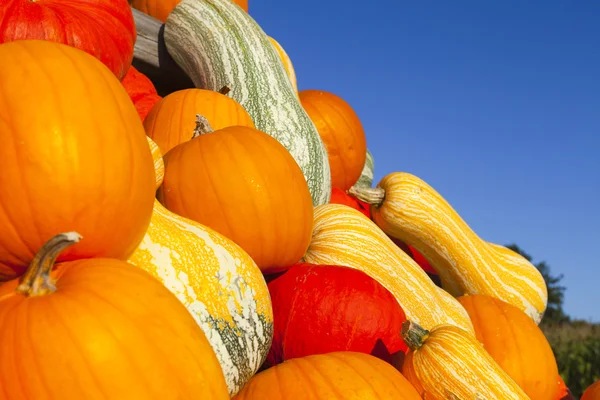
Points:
(592, 392)
(172, 121)
(245, 185)
(345, 236)
(75, 156)
(342, 133)
(219, 284)
(516, 343)
(332, 376)
(103, 28)
(98, 329)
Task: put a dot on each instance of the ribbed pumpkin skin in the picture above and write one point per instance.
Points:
(217, 44)
(516, 343)
(110, 331)
(419, 216)
(160, 9)
(141, 91)
(287, 63)
(452, 364)
(344, 236)
(78, 160)
(332, 376)
(366, 176)
(341, 131)
(245, 185)
(103, 28)
(218, 283)
(319, 309)
(592, 392)
(172, 121)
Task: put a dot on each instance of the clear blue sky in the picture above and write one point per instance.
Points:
(496, 104)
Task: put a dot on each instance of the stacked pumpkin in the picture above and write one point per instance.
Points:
(140, 231)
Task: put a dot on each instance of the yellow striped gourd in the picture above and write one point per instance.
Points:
(407, 208)
(451, 364)
(345, 236)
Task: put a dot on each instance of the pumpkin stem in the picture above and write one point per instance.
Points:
(373, 196)
(413, 334)
(224, 90)
(202, 126)
(37, 280)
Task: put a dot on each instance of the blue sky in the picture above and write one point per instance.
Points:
(496, 104)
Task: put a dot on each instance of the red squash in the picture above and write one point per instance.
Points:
(338, 196)
(321, 308)
(141, 91)
(102, 28)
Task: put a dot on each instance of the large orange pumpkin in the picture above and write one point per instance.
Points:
(74, 156)
(516, 343)
(173, 119)
(341, 131)
(160, 9)
(332, 376)
(102, 28)
(100, 329)
(244, 184)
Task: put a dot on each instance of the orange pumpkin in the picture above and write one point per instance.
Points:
(592, 392)
(173, 119)
(160, 9)
(244, 184)
(331, 376)
(100, 329)
(74, 156)
(516, 343)
(141, 91)
(341, 131)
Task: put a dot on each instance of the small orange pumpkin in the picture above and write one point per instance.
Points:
(342, 375)
(160, 9)
(100, 329)
(592, 392)
(173, 119)
(245, 185)
(516, 343)
(75, 156)
(341, 131)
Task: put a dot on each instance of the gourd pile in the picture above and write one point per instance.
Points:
(227, 241)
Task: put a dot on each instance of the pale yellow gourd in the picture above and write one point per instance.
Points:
(451, 364)
(159, 165)
(407, 208)
(345, 236)
(220, 285)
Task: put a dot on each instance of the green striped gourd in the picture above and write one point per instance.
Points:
(366, 177)
(218, 44)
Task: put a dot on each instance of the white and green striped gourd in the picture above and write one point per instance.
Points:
(366, 176)
(218, 44)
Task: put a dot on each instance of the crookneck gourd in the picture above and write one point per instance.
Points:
(407, 208)
(449, 363)
(345, 236)
(218, 44)
(219, 284)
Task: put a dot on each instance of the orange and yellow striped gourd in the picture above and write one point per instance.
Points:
(449, 363)
(407, 208)
(345, 236)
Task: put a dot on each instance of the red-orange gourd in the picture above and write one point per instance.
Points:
(100, 329)
(160, 9)
(592, 392)
(516, 343)
(173, 120)
(332, 376)
(244, 184)
(141, 91)
(74, 156)
(103, 28)
(341, 131)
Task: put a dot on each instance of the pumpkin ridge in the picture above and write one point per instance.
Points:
(344, 361)
(315, 369)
